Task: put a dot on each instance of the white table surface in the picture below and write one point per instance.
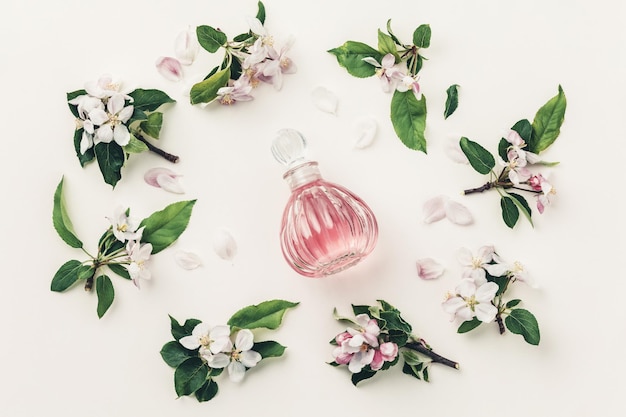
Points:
(508, 58)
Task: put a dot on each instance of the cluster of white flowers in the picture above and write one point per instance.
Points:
(393, 78)
(103, 113)
(218, 350)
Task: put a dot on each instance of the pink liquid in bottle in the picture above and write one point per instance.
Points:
(325, 227)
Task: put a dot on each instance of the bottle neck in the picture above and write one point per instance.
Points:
(302, 174)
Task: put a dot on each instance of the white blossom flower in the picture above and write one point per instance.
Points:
(515, 270)
(138, 254)
(213, 340)
(367, 332)
(111, 123)
(475, 266)
(409, 82)
(278, 64)
(125, 227)
(386, 71)
(242, 356)
(239, 91)
(103, 88)
(471, 300)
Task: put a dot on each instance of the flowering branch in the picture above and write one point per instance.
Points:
(375, 340)
(124, 249)
(517, 153)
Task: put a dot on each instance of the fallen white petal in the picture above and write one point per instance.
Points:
(186, 46)
(187, 260)
(224, 245)
(151, 175)
(170, 183)
(325, 100)
(428, 268)
(170, 68)
(457, 213)
(453, 150)
(434, 209)
(365, 132)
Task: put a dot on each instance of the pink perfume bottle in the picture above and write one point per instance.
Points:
(325, 227)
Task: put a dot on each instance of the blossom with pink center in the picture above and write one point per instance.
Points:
(409, 82)
(386, 352)
(471, 300)
(239, 91)
(386, 71)
(367, 332)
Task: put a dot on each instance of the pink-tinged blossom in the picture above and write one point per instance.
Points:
(386, 71)
(356, 347)
(111, 123)
(239, 91)
(539, 183)
(476, 266)
(428, 268)
(518, 144)
(409, 82)
(170, 68)
(367, 332)
(139, 254)
(386, 352)
(186, 46)
(471, 300)
(278, 64)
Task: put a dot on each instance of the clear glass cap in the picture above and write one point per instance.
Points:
(289, 148)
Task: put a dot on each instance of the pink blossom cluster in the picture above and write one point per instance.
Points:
(360, 347)
(393, 78)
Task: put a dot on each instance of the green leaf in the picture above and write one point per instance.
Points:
(523, 322)
(71, 96)
(178, 331)
(395, 322)
(350, 56)
(479, 158)
(210, 38)
(111, 159)
(510, 212)
(421, 36)
(268, 314)
(398, 337)
(173, 353)
(163, 227)
(86, 272)
(452, 100)
(135, 145)
(106, 294)
(411, 357)
(503, 147)
(190, 376)
(119, 270)
(61, 220)
(469, 325)
(207, 391)
(149, 100)
(260, 14)
(547, 122)
(386, 45)
(387, 307)
(523, 206)
(86, 157)
(361, 376)
(341, 318)
(408, 116)
(269, 349)
(360, 309)
(524, 129)
(513, 303)
(66, 275)
(152, 126)
(206, 91)
(394, 37)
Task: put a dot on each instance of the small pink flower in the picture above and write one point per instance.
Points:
(239, 91)
(387, 352)
(386, 71)
(170, 68)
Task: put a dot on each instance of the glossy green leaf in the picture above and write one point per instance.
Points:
(111, 158)
(72, 95)
(150, 99)
(524, 129)
(269, 349)
(523, 322)
(510, 212)
(393, 321)
(479, 158)
(173, 353)
(179, 331)
(547, 122)
(360, 309)
(66, 276)
(61, 220)
(152, 126)
(469, 325)
(83, 158)
(390, 32)
(421, 36)
(408, 116)
(163, 227)
(386, 45)
(452, 100)
(361, 376)
(523, 206)
(350, 56)
(268, 314)
(503, 148)
(190, 376)
(119, 270)
(206, 90)
(207, 391)
(513, 303)
(260, 14)
(135, 145)
(106, 294)
(210, 38)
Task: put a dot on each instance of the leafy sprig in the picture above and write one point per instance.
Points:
(375, 340)
(111, 125)
(123, 249)
(397, 64)
(200, 353)
(517, 153)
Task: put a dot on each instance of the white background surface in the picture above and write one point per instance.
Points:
(508, 58)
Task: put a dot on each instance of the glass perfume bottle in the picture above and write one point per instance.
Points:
(325, 227)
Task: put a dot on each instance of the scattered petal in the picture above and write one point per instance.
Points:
(187, 260)
(325, 100)
(170, 68)
(457, 213)
(365, 132)
(186, 46)
(163, 178)
(453, 150)
(224, 245)
(434, 209)
(428, 268)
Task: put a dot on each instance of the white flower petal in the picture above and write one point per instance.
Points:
(244, 340)
(453, 304)
(170, 68)
(250, 358)
(434, 209)
(486, 292)
(170, 183)
(190, 342)
(151, 175)
(236, 371)
(325, 100)
(428, 268)
(187, 260)
(218, 361)
(121, 135)
(98, 116)
(224, 245)
(466, 288)
(453, 151)
(457, 213)
(365, 131)
(256, 26)
(186, 46)
(485, 312)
